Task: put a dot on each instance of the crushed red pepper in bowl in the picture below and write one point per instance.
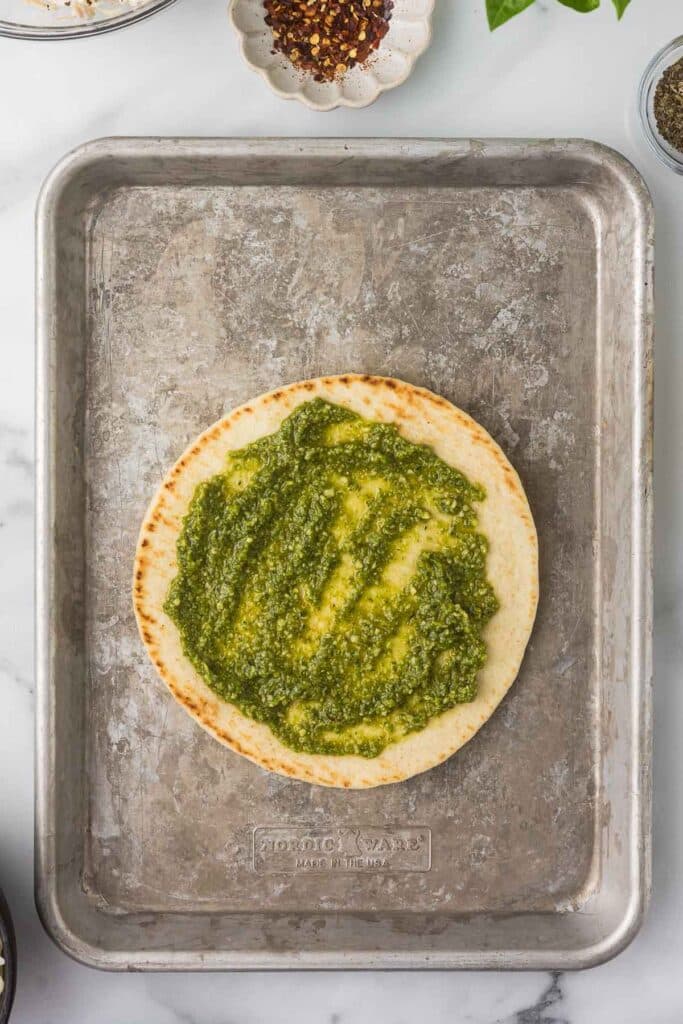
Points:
(327, 37)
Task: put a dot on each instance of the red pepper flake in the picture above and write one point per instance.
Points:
(327, 37)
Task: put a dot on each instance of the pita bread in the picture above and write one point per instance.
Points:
(512, 568)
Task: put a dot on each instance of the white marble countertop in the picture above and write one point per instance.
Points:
(550, 72)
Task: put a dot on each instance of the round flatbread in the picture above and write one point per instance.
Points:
(504, 518)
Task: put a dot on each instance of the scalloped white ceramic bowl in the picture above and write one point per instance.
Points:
(408, 36)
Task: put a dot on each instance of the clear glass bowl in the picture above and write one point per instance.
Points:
(673, 158)
(38, 19)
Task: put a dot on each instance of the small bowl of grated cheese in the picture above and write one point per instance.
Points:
(68, 19)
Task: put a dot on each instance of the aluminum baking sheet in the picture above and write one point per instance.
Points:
(178, 278)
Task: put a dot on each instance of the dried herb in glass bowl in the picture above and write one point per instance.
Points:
(327, 37)
(668, 105)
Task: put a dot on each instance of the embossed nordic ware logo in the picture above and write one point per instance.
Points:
(284, 848)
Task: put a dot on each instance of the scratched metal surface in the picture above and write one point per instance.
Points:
(490, 290)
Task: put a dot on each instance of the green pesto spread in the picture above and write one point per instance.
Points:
(332, 583)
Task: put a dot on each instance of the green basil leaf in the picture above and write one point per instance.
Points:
(500, 11)
(621, 6)
(584, 6)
